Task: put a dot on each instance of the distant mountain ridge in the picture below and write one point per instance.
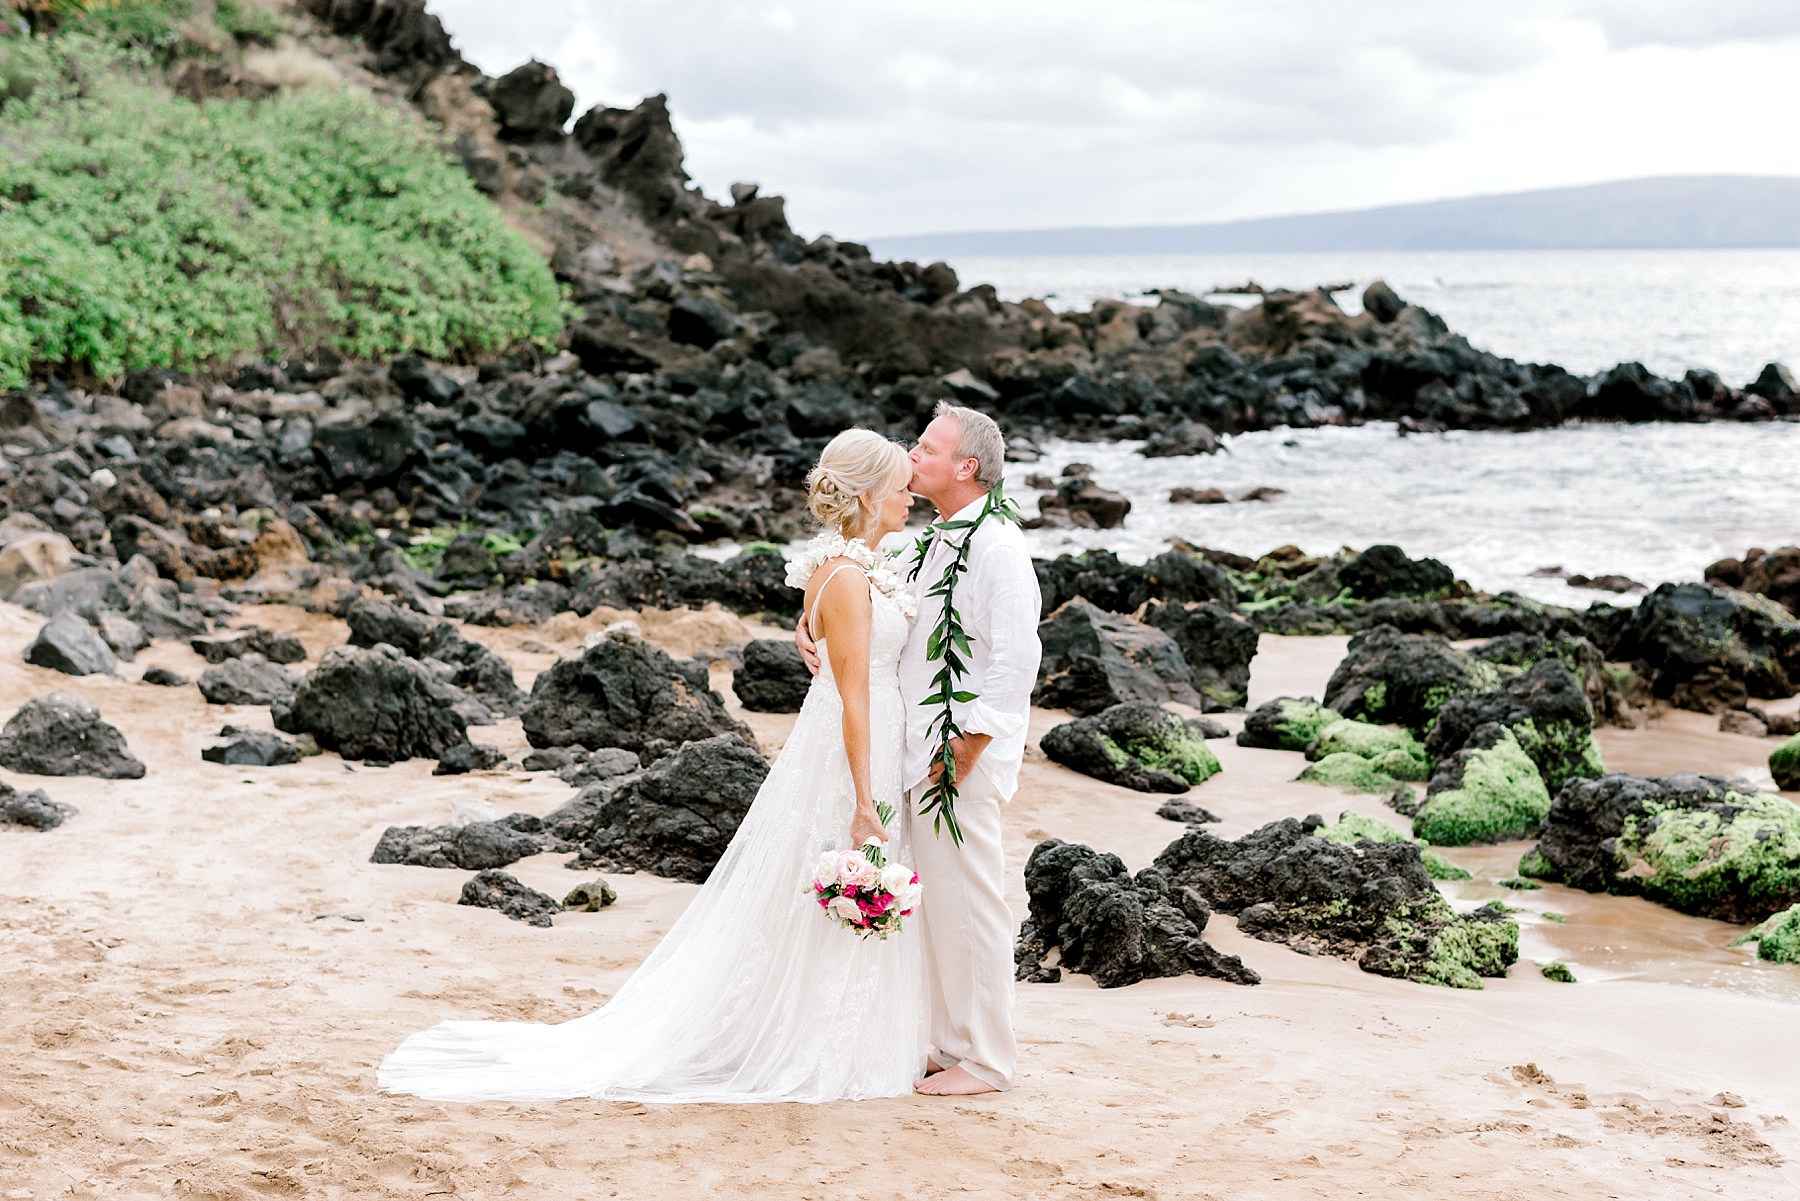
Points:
(1661, 212)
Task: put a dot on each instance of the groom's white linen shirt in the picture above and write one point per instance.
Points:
(999, 602)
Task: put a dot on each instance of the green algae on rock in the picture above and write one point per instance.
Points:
(1558, 971)
(1439, 867)
(1347, 771)
(1546, 709)
(1778, 939)
(1744, 853)
(1370, 900)
(1784, 765)
(1286, 724)
(1387, 676)
(1365, 758)
(1520, 884)
(1488, 792)
(1138, 745)
(1694, 843)
(1351, 828)
(1391, 745)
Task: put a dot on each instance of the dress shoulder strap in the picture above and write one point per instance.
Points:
(812, 615)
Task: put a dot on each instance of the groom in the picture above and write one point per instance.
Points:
(964, 920)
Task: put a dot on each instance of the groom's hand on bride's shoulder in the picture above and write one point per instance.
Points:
(809, 650)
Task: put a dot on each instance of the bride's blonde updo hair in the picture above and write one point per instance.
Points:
(856, 467)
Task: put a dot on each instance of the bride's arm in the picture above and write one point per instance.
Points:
(843, 620)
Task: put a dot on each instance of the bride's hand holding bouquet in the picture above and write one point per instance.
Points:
(859, 889)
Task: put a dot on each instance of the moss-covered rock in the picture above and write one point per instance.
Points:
(1488, 792)
(1138, 744)
(1387, 676)
(1558, 971)
(1603, 685)
(1439, 867)
(1784, 765)
(1742, 857)
(1547, 710)
(1373, 742)
(1351, 828)
(1778, 939)
(1370, 900)
(1286, 724)
(1350, 772)
(1690, 842)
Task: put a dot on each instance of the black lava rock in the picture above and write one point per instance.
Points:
(676, 818)
(1137, 745)
(624, 692)
(474, 756)
(68, 644)
(1402, 679)
(1217, 644)
(1735, 858)
(32, 810)
(476, 669)
(1709, 648)
(162, 677)
(474, 847)
(247, 680)
(1180, 809)
(1112, 925)
(1094, 659)
(773, 678)
(1103, 580)
(1372, 902)
(252, 640)
(497, 890)
(376, 704)
(251, 748)
(61, 734)
(1546, 708)
(1385, 570)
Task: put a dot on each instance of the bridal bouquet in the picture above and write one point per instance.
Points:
(861, 891)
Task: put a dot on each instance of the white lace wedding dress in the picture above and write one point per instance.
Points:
(754, 995)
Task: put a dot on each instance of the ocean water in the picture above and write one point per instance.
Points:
(1727, 310)
(1653, 502)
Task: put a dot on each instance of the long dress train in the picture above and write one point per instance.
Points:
(754, 995)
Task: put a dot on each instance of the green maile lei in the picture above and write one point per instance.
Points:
(948, 645)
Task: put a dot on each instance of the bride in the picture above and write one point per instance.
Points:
(755, 995)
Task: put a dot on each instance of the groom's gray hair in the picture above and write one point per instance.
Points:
(978, 437)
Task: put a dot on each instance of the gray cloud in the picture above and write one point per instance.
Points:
(1631, 23)
(890, 116)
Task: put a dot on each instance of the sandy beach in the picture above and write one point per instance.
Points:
(201, 970)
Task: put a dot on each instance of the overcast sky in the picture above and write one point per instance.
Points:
(907, 116)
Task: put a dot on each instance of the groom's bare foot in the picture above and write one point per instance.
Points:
(957, 1082)
(932, 1067)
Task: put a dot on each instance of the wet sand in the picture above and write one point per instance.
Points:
(201, 970)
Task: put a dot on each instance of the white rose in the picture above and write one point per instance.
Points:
(844, 909)
(826, 872)
(895, 878)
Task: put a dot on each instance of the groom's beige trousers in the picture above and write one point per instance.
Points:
(968, 936)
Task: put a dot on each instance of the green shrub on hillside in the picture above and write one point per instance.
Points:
(140, 230)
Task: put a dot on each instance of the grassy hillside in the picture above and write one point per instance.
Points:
(139, 229)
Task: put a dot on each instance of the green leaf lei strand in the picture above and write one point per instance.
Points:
(949, 644)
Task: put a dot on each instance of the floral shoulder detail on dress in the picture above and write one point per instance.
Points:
(879, 565)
